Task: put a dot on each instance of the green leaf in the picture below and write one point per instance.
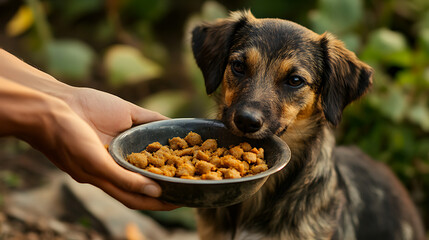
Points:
(388, 46)
(73, 9)
(180, 217)
(352, 41)
(70, 59)
(419, 114)
(168, 103)
(126, 64)
(394, 105)
(146, 9)
(337, 16)
(424, 39)
(212, 10)
(10, 179)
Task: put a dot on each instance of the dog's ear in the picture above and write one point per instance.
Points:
(345, 78)
(211, 43)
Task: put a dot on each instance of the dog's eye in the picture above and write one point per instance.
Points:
(238, 68)
(295, 81)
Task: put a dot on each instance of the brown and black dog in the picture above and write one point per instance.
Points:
(278, 77)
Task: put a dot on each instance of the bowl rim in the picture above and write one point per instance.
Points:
(114, 152)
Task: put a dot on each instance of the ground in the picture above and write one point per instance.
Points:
(38, 201)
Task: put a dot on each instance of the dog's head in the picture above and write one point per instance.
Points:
(275, 73)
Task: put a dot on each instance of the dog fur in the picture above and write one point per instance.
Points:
(278, 77)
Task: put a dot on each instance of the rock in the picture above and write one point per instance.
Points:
(45, 200)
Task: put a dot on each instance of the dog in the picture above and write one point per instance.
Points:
(278, 77)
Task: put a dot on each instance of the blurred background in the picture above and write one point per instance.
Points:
(140, 51)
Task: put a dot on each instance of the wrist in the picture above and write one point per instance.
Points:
(26, 113)
(17, 71)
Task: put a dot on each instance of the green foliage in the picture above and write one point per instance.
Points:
(180, 217)
(126, 64)
(70, 59)
(337, 15)
(146, 9)
(10, 179)
(387, 47)
(169, 102)
(74, 9)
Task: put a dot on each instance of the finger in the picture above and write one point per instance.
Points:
(132, 200)
(127, 180)
(140, 115)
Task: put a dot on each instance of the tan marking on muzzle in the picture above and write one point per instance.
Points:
(228, 96)
(306, 112)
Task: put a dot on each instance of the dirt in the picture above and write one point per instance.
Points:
(23, 169)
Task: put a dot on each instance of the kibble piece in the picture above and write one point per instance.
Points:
(209, 144)
(174, 160)
(153, 169)
(153, 147)
(259, 152)
(259, 168)
(168, 170)
(190, 177)
(215, 160)
(193, 139)
(156, 161)
(230, 173)
(203, 167)
(202, 155)
(212, 176)
(185, 170)
(246, 167)
(249, 157)
(245, 146)
(137, 159)
(177, 143)
(194, 161)
(219, 152)
(231, 162)
(187, 159)
(186, 151)
(259, 161)
(236, 152)
(162, 152)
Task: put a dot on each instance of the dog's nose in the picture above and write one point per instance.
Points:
(248, 122)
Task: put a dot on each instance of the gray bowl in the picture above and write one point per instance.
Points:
(199, 193)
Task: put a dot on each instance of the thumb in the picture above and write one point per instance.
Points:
(141, 115)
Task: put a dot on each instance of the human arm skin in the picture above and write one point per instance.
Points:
(70, 126)
(107, 114)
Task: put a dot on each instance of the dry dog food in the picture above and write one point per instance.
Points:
(193, 158)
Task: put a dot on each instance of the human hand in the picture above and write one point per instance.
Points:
(108, 115)
(72, 143)
(71, 126)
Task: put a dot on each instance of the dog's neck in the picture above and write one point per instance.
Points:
(300, 195)
(304, 188)
(311, 142)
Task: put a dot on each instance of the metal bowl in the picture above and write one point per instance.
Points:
(199, 193)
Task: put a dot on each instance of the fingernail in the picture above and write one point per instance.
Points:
(151, 191)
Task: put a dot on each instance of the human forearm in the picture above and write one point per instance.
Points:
(15, 70)
(26, 113)
(69, 125)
